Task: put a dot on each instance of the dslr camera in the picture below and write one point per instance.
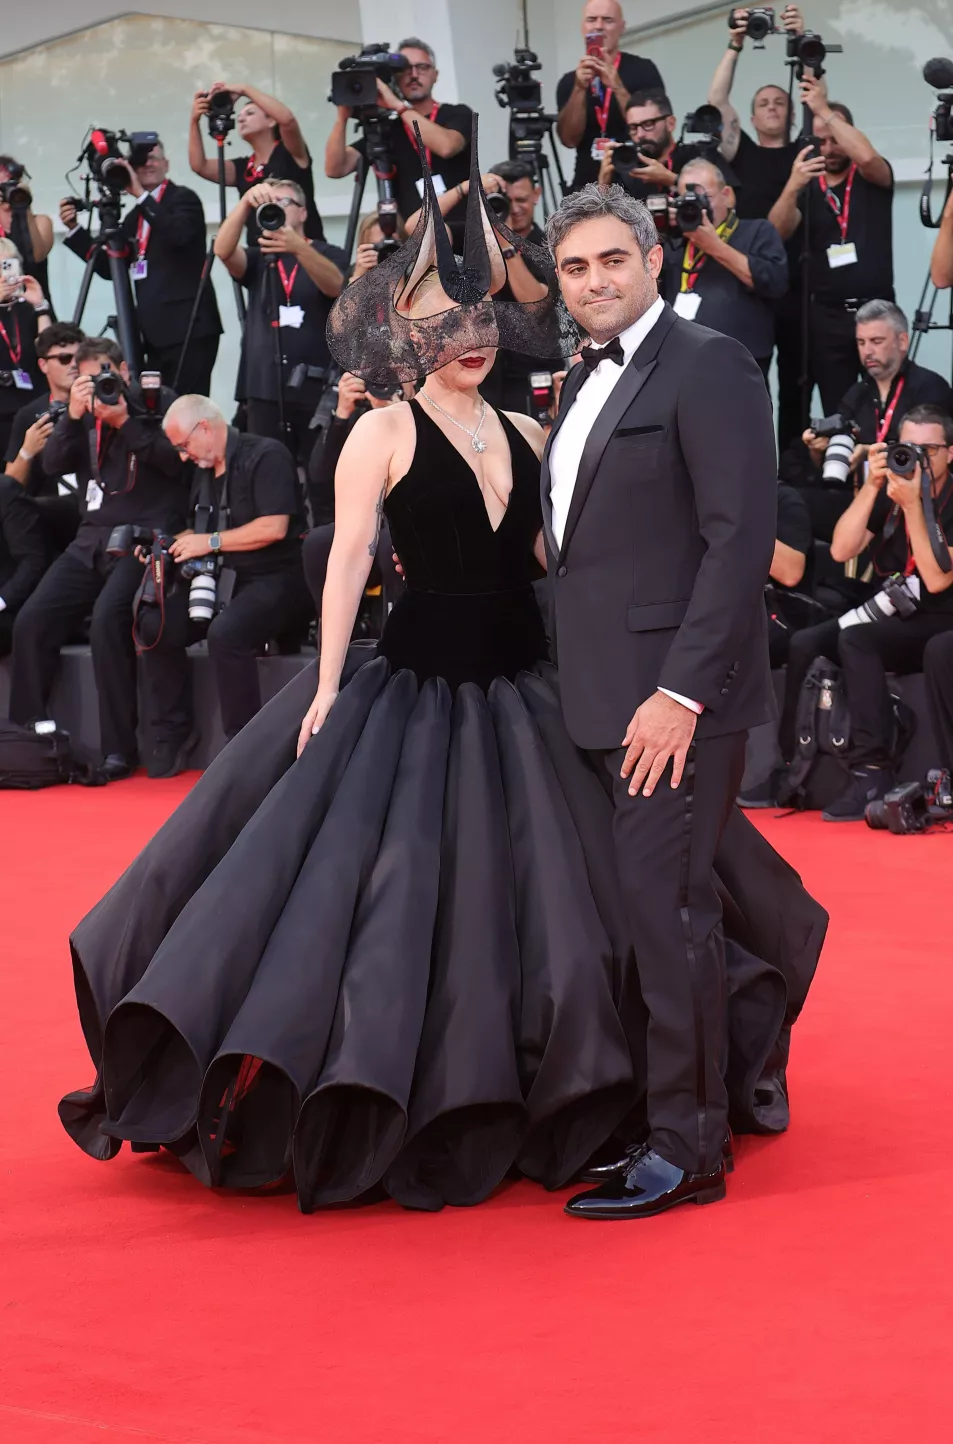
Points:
(13, 192)
(221, 114)
(903, 458)
(270, 216)
(354, 83)
(703, 128)
(761, 23)
(690, 209)
(912, 808)
(515, 83)
(201, 573)
(842, 435)
(108, 386)
(107, 149)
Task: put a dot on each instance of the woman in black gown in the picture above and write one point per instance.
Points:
(385, 946)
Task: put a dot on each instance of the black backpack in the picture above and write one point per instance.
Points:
(31, 759)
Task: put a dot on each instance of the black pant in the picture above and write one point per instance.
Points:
(867, 653)
(263, 420)
(6, 632)
(938, 671)
(665, 847)
(196, 377)
(65, 595)
(314, 556)
(261, 608)
(833, 353)
(788, 342)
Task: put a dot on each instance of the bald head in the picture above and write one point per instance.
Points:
(605, 18)
(705, 176)
(197, 430)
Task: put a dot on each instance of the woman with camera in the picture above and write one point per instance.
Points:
(32, 234)
(24, 313)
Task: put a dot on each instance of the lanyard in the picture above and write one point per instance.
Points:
(693, 259)
(412, 137)
(15, 350)
(98, 452)
(287, 282)
(884, 426)
(841, 211)
(602, 111)
(143, 228)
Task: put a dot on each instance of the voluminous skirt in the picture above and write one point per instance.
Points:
(401, 959)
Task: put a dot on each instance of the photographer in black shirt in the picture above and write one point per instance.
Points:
(131, 484)
(444, 129)
(31, 234)
(24, 313)
(56, 496)
(592, 100)
(291, 281)
(237, 579)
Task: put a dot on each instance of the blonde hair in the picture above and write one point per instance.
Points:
(8, 248)
(368, 223)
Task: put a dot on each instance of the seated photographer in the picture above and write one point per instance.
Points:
(31, 234)
(23, 555)
(592, 100)
(278, 149)
(291, 284)
(938, 677)
(720, 270)
(165, 250)
(647, 165)
(910, 601)
(57, 496)
(24, 314)
(444, 129)
(237, 579)
(371, 243)
(131, 484)
(791, 577)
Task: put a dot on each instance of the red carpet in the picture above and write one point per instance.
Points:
(813, 1305)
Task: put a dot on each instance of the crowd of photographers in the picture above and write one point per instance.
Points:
(153, 522)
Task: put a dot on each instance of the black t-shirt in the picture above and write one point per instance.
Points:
(727, 305)
(38, 483)
(280, 165)
(262, 481)
(921, 387)
(794, 530)
(869, 228)
(761, 173)
(305, 343)
(890, 550)
(18, 332)
(654, 193)
(636, 73)
(403, 152)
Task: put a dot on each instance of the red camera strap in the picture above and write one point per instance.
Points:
(16, 350)
(602, 110)
(143, 228)
(409, 127)
(841, 210)
(884, 426)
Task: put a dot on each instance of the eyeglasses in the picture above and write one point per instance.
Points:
(424, 65)
(183, 449)
(640, 126)
(933, 448)
(287, 201)
(65, 358)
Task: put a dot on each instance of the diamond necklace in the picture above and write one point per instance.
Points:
(474, 436)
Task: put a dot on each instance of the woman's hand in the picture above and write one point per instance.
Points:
(315, 718)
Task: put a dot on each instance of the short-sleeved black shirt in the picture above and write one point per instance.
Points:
(794, 530)
(262, 481)
(921, 387)
(636, 73)
(306, 343)
(889, 550)
(403, 152)
(761, 173)
(280, 165)
(869, 227)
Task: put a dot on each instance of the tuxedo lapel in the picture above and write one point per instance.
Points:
(571, 385)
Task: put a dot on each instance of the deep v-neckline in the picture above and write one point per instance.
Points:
(476, 480)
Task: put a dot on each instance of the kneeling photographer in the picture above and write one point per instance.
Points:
(131, 485)
(719, 270)
(237, 578)
(903, 513)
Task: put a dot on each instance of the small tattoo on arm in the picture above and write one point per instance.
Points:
(378, 522)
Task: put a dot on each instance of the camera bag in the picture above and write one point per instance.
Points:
(30, 760)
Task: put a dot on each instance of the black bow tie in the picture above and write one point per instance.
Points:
(591, 356)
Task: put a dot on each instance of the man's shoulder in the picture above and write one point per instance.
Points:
(638, 65)
(177, 192)
(455, 117)
(929, 385)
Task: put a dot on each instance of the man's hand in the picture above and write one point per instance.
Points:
(608, 74)
(905, 490)
(36, 436)
(259, 195)
(607, 166)
(114, 416)
(661, 729)
(68, 214)
(792, 20)
(199, 105)
(586, 72)
(877, 473)
(813, 93)
(653, 171)
(387, 99)
(81, 397)
(32, 291)
(805, 168)
(706, 238)
(351, 391)
(738, 20)
(189, 544)
(816, 445)
(281, 242)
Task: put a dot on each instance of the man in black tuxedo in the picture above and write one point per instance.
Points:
(165, 252)
(659, 503)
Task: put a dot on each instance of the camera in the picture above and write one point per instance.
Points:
(761, 23)
(808, 52)
(912, 808)
(515, 85)
(11, 274)
(124, 539)
(354, 83)
(388, 246)
(899, 596)
(903, 458)
(702, 127)
(12, 192)
(626, 157)
(498, 204)
(270, 216)
(56, 409)
(202, 575)
(108, 386)
(939, 74)
(690, 209)
(842, 435)
(221, 114)
(106, 151)
(542, 395)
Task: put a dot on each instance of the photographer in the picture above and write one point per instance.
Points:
(593, 99)
(237, 580)
(57, 496)
(24, 314)
(131, 481)
(724, 271)
(888, 517)
(648, 164)
(291, 284)
(31, 234)
(370, 240)
(165, 251)
(278, 149)
(23, 555)
(444, 129)
(849, 188)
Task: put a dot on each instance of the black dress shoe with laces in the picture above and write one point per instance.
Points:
(650, 1185)
(116, 766)
(615, 1167)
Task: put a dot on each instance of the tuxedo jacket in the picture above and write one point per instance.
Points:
(175, 255)
(668, 541)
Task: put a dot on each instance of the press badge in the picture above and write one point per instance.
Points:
(291, 316)
(686, 304)
(439, 186)
(601, 147)
(139, 269)
(22, 381)
(842, 255)
(94, 495)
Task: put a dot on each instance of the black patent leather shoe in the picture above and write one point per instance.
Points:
(116, 767)
(649, 1186)
(616, 1167)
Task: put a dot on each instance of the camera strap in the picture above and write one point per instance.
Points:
(938, 542)
(694, 259)
(884, 426)
(601, 107)
(99, 442)
(206, 504)
(841, 208)
(409, 128)
(15, 348)
(143, 228)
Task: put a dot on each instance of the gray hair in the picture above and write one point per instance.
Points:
(883, 311)
(594, 201)
(416, 43)
(190, 409)
(701, 163)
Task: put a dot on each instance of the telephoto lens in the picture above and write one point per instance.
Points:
(203, 591)
(270, 216)
(837, 458)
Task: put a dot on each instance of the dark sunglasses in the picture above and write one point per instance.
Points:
(65, 358)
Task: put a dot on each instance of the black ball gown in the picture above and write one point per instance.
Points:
(401, 960)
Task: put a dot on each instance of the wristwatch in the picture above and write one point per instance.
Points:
(507, 252)
(215, 542)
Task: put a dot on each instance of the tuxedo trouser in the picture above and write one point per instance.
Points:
(938, 672)
(197, 366)
(665, 847)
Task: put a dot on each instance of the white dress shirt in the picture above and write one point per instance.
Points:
(566, 451)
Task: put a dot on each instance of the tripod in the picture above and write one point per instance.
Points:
(528, 131)
(923, 316)
(377, 157)
(112, 243)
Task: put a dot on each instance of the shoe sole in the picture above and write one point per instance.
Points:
(705, 1195)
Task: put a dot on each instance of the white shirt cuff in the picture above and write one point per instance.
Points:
(696, 707)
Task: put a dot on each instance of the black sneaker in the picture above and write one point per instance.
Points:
(170, 758)
(763, 794)
(867, 784)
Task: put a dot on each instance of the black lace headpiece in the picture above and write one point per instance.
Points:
(372, 334)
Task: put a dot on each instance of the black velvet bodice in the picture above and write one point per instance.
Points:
(468, 612)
